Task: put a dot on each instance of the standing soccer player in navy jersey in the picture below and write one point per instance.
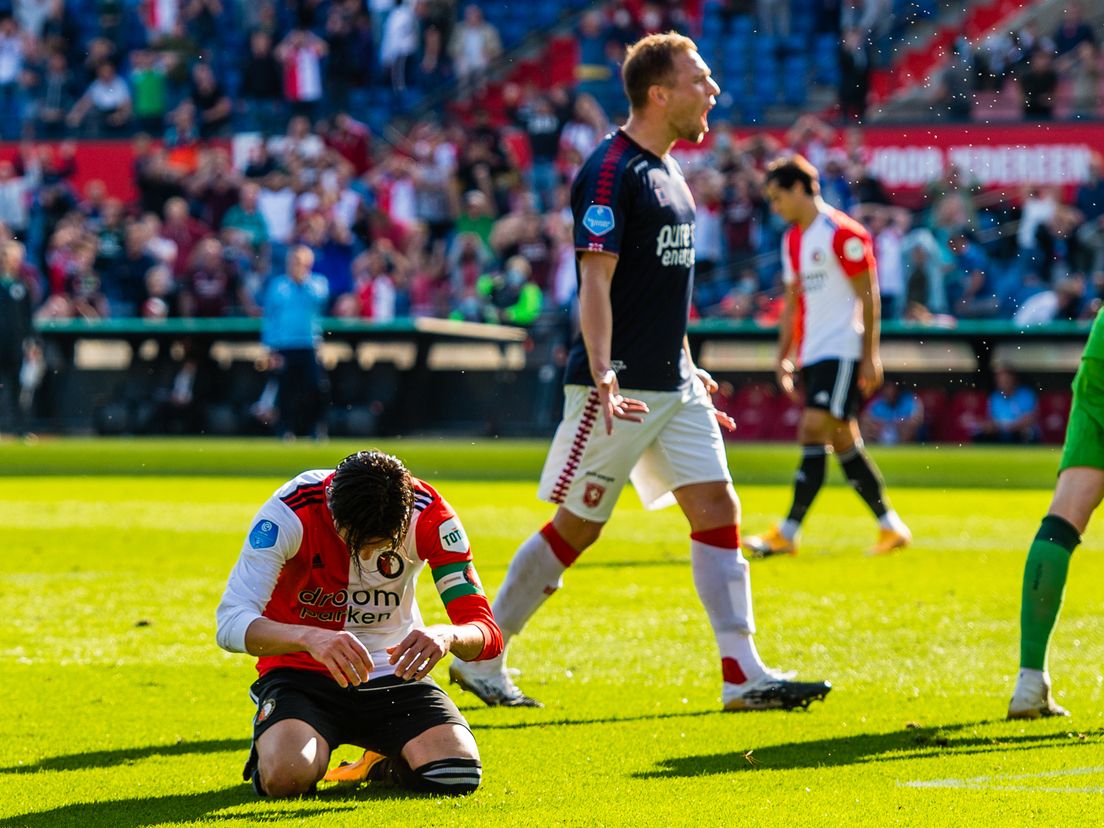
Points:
(634, 237)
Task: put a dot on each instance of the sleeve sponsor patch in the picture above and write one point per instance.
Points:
(598, 219)
(453, 538)
(854, 250)
(264, 534)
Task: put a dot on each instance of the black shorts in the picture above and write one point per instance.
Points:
(381, 716)
(832, 385)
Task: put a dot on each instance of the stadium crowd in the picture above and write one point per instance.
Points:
(464, 215)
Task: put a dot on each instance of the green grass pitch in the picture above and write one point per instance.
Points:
(119, 710)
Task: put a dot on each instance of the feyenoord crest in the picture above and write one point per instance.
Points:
(592, 495)
(266, 710)
(390, 564)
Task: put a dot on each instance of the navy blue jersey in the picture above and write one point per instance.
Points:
(633, 204)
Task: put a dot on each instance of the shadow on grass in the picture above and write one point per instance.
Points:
(122, 756)
(198, 807)
(910, 743)
(610, 720)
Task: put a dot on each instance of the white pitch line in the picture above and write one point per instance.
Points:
(996, 783)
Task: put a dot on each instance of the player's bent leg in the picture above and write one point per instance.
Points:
(867, 481)
(291, 758)
(442, 760)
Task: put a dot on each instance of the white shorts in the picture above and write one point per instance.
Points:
(678, 444)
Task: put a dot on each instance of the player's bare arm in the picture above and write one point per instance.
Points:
(784, 367)
(870, 370)
(596, 322)
(338, 651)
(710, 384)
(422, 648)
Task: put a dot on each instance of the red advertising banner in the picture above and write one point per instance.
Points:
(1005, 156)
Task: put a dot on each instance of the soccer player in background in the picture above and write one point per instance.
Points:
(634, 236)
(1078, 492)
(323, 595)
(829, 325)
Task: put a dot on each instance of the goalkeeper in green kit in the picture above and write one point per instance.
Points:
(1077, 494)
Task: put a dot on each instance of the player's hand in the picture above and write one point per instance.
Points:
(614, 405)
(420, 651)
(342, 653)
(870, 375)
(707, 380)
(784, 374)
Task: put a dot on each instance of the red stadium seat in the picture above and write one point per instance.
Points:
(967, 408)
(1054, 409)
(934, 401)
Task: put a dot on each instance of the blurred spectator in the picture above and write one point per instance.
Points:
(247, 217)
(475, 43)
(212, 285)
(301, 54)
(1082, 67)
(1073, 31)
(16, 191)
(893, 417)
(151, 97)
(543, 117)
(105, 104)
(954, 89)
(1013, 412)
(516, 298)
(184, 231)
(1039, 82)
(14, 45)
(854, 84)
(399, 45)
(54, 95)
(974, 294)
(212, 104)
(293, 304)
(1062, 302)
(17, 344)
(124, 283)
(262, 88)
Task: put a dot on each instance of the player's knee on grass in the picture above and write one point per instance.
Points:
(283, 779)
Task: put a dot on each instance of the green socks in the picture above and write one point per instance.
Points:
(1044, 582)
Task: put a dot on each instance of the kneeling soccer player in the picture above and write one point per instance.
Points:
(1078, 492)
(323, 595)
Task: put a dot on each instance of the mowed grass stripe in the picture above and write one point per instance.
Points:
(952, 467)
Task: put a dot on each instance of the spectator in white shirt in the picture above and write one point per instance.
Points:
(106, 104)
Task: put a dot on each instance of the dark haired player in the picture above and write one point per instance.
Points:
(634, 237)
(323, 595)
(830, 326)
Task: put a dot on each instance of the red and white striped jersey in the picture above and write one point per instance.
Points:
(822, 260)
(303, 74)
(293, 568)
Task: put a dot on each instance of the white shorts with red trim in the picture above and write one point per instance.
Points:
(678, 444)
